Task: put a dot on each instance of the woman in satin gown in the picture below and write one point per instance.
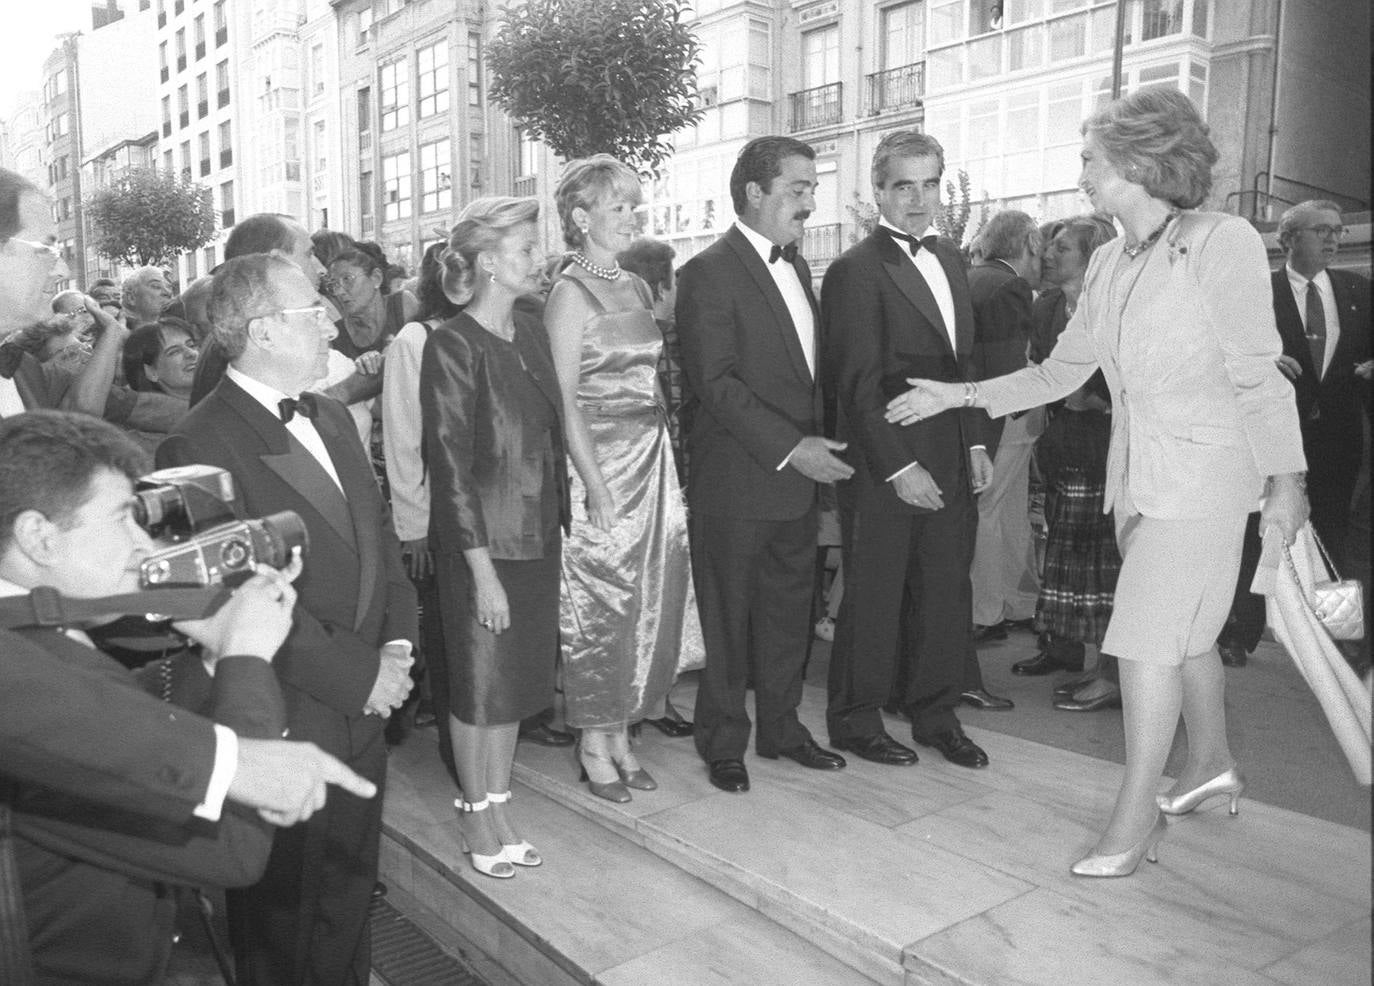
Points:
(628, 618)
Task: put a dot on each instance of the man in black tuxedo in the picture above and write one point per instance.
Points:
(896, 305)
(747, 323)
(1323, 318)
(345, 665)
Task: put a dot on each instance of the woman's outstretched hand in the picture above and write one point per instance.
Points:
(925, 399)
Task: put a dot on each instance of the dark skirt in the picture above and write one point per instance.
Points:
(496, 679)
(1082, 560)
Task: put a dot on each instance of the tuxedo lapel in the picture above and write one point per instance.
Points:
(354, 472)
(910, 282)
(764, 282)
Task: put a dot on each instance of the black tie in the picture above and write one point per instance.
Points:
(1316, 328)
(788, 253)
(304, 405)
(914, 242)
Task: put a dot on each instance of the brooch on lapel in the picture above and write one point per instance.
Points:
(1177, 250)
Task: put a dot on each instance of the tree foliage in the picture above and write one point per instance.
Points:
(148, 216)
(591, 76)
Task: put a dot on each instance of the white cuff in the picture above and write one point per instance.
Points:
(226, 766)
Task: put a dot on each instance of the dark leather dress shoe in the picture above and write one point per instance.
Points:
(988, 634)
(546, 735)
(810, 754)
(1028, 624)
(981, 698)
(1111, 700)
(879, 747)
(1042, 663)
(1233, 655)
(956, 747)
(729, 775)
(676, 728)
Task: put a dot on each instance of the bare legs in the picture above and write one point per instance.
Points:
(1153, 696)
(483, 755)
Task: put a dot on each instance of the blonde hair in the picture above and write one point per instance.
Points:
(482, 225)
(589, 181)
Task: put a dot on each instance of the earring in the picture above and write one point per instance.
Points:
(491, 274)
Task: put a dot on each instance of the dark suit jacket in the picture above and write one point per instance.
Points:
(882, 326)
(487, 462)
(1329, 408)
(1001, 329)
(353, 595)
(90, 875)
(754, 398)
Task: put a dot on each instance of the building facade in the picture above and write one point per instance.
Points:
(100, 169)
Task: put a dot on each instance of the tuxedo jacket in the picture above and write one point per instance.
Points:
(353, 594)
(91, 875)
(1002, 302)
(486, 460)
(882, 325)
(754, 397)
(1200, 411)
(1329, 408)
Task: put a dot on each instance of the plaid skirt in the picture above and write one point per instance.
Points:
(1082, 560)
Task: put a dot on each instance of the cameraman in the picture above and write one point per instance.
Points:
(91, 864)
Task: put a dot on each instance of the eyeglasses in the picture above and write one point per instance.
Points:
(346, 281)
(49, 248)
(317, 313)
(1324, 231)
(75, 312)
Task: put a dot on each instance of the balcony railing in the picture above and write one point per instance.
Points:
(816, 107)
(897, 87)
(525, 187)
(821, 244)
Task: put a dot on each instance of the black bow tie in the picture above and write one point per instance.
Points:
(304, 405)
(914, 242)
(788, 253)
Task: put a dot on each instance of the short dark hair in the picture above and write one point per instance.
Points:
(360, 259)
(430, 289)
(13, 188)
(262, 232)
(329, 243)
(651, 260)
(760, 161)
(48, 460)
(145, 345)
(904, 144)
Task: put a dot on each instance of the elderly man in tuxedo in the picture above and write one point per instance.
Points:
(345, 665)
(747, 322)
(896, 305)
(1323, 318)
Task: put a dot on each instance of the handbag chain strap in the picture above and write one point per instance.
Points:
(1307, 596)
(1330, 565)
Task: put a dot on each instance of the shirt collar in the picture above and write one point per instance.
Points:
(757, 240)
(269, 397)
(1321, 280)
(930, 230)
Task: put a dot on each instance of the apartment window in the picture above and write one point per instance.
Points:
(226, 204)
(321, 150)
(436, 179)
(222, 83)
(474, 68)
(820, 56)
(202, 96)
(365, 198)
(167, 163)
(209, 254)
(59, 83)
(317, 69)
(204, 153)
(186, 158)
(166, 116)
(163, 70)
(62, 167)
(365, 109)
(395, 95)
(1160, 18)
(529, 155)
(946, 21)
(199, 35)
(191, 272)
(221, 26)
(181, 48)
(901, 33)
(59, 125)
(396, 186)
(433, 79)
(226, 145)
(364, 26)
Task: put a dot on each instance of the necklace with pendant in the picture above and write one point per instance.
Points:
(1149, 241)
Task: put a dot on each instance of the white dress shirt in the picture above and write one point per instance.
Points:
(226, 764)
(302, 428)
(793, 294)
(1322, 282)
(934, 273)
(10, 401)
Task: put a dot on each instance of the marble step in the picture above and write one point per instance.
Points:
(601, 910)
(935, 874)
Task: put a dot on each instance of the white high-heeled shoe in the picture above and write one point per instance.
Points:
(520, 853)
(1229, 782)
(1123, 863)
(495, 865)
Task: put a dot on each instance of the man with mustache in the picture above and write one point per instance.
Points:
(747, 323)
(897, 305)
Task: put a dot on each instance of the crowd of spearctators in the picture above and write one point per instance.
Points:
(545, 484)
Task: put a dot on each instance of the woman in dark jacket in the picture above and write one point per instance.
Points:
(493, 445)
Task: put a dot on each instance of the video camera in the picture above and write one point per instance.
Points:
(189, 510)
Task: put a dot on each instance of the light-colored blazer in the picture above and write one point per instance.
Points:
(1186, 340)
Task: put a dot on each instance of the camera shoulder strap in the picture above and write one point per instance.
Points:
(44, 606)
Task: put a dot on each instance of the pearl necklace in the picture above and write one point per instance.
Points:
(1149, 241)
(596, 270)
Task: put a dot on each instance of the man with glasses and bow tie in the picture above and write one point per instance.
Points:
(345, 665)
(750, 340)
(1323, 318)
(896, 305)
